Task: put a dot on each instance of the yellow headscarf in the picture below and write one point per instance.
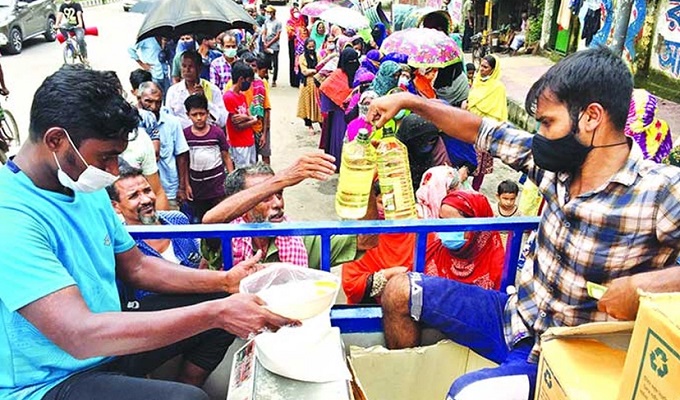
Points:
(487, 97)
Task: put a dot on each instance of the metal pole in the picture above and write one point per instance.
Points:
(622, 22)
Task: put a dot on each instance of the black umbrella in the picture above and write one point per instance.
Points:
(173, 18)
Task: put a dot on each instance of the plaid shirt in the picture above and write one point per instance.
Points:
(629, 225)
(291, 249)
(220, 72)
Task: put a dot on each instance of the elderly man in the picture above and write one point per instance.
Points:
(610, 218)
(134, 200)
(303, 251)
(170, 144)
(61, 327)
(191, 64)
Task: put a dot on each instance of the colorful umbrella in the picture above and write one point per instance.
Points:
(345, 18)
(316, 8)
(424, 47)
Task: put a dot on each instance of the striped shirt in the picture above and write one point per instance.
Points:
(629, 225)
(206, 166)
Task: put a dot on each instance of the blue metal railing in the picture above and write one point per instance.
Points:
(353, 318)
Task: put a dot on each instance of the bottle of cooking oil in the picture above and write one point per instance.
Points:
(357, 169)
(394, 174)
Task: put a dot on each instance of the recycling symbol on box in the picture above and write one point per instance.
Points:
(657, 360)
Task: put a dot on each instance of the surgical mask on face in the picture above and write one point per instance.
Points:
(331, 46)
(452, 240)
(230, 53)
(245, 85)
(268, 17)
(403, 81)
(91, 180)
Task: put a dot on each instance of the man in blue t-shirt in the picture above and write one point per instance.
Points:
(62, 335)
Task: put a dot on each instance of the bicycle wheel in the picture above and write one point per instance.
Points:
(69, 54)
(10, 130)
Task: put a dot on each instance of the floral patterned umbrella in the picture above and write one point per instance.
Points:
(316, 8)
(424, 47)
(345, 18)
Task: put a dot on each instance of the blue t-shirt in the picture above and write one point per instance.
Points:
(50, 241)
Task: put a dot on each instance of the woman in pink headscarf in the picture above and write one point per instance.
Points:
(434, 186)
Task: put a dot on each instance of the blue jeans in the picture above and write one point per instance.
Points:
(80, 37)
(473, 317)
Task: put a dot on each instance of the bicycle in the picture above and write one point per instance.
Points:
(72, 54)
(9, 133)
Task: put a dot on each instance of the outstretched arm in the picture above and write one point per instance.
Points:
(453, 121)
(316, 165)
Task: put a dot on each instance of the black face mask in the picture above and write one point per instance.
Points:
(565, 154)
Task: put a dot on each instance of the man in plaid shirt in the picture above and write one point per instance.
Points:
(611, 218)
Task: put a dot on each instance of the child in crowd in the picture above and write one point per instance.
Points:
(240, 122)
(506, 196)
(208, 158)
(259, 106)
(470, 68)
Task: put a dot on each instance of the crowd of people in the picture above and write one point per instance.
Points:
(90, 312)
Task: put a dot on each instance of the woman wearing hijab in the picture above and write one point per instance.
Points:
(423, 81)
(318, 34)
(425, 147)
(387, 78)
(434, 186)
(379, 33)
(472, 257)
(452, 84)
(335, 91)
(295, 23)
(371, 62)
(308, 107)
(487, 98)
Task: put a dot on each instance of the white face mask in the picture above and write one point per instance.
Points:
(91, 180)
(403, 81)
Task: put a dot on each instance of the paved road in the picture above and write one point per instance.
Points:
(117, 31)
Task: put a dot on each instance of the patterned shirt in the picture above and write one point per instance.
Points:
(291, 249)
(220, 72)
(627, 226)
(186, 250)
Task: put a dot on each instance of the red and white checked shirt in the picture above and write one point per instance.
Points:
(291, 249)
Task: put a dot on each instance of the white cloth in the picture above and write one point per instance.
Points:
(178, 93)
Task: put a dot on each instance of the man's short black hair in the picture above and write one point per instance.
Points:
(196, 101)
(589, 76)
(200, 37)
(194, 56)
(248, 57)
(125, 172)
(139, 76)
(87, 104)
(262, 62)
(508, 186)
(241, 70)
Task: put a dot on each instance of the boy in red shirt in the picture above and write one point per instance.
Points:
(240, 122)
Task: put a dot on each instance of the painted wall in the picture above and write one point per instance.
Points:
(665, 55)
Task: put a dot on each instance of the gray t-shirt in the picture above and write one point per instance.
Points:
(272, 28)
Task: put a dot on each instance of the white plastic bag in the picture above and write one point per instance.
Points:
(293, 292)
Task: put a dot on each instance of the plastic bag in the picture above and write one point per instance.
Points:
(292, 291)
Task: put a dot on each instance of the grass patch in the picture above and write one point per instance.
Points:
(660, 85)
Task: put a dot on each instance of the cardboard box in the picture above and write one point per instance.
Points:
(583, 362)
(615, 360)
(652, 369)
(419, 373)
